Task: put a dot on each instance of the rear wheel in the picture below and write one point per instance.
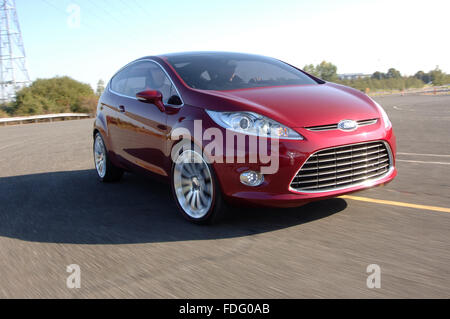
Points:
(106, 170)
(195, 187)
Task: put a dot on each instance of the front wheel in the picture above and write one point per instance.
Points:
(195, 187)
(106, 170)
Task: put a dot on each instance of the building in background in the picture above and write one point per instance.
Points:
(353, 76)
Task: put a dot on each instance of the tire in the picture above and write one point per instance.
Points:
(107, 172)
(195, 187)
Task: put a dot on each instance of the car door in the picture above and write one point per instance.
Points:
(140, 137)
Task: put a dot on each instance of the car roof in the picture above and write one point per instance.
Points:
(192, 54)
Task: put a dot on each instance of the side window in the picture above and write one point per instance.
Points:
(145, 75)
(138, 78)
(162, 83)
(119, 81)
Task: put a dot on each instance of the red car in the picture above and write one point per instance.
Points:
(239, 128)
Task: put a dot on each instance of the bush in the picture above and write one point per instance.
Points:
(392, 80)
(88, 104)
(3, 114)
(55, 95)
(375, 84)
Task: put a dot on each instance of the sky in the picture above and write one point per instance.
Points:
(90, 40)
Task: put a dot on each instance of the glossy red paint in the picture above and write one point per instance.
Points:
(137, 134)
(152, 97)
(300, 106)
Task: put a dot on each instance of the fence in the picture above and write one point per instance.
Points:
(42, 118)
(434, 90)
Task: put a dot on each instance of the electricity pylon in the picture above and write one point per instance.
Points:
(13, 71)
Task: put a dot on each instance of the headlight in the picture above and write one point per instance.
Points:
(387, 122)
(253, 124)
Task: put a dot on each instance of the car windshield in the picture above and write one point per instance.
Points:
(231, 71)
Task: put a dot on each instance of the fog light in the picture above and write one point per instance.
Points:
(251, 178)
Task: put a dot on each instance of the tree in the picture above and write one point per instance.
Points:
(393, 74)
(378, 75)
(55, 95)
(425, 77)
(392, 80)
(100, 87)
(419, 75)
(327, 71)
(309, 68)
(437, 76)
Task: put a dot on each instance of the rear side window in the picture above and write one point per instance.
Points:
(140, 76)
(119, 81)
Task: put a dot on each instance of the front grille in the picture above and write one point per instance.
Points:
(343, 166)
(331, 127)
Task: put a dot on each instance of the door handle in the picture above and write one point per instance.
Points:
(121, 109)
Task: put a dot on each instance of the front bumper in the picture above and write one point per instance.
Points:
(276, 191)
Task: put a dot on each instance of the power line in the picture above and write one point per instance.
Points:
(64, 12)
(141, 7)
(115, 4)
(53, 6)
(121, 22)
(127, 5)
(94, 14)
(105, 11)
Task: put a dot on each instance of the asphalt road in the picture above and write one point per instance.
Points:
(130, 241)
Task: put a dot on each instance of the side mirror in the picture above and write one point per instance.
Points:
(153, 97)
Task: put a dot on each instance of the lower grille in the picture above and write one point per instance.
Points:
(343, 166)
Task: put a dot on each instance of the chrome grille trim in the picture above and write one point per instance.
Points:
(331, 127)
(367, 122)
(361, 163)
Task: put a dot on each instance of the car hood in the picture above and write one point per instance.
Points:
(297, 106)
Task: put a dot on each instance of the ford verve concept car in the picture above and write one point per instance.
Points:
(331, 139)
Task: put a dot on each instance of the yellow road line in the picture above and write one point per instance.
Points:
(401, 204)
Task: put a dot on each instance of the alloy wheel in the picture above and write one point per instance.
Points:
(100, 156)
(193, 184)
